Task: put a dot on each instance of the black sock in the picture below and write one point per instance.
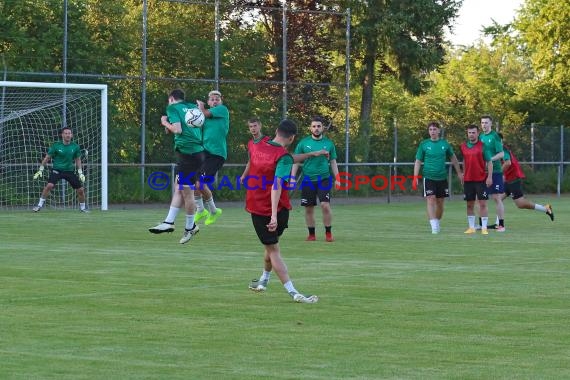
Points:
(480, 222)
(311, 230)
(502, 222)
(328, 229)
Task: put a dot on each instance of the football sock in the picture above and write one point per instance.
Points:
(471, 221)
(199, 203)
(189, 221)
(328, 229)
(497, 221)
(484, 221)
(172, 212)
(502, 222)
(540, 208)
(41, 202)
(265, 276)
(434, 224)
(211, 206)
(82, 206)
(311, 230)
(289, 287)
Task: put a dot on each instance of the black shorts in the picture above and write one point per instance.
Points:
(55, 176)
(439, 188)
(260, 223)
(212, 163)
(514, 189)
(311, 190)
(475, 190)
(188, 168)
(498, 186)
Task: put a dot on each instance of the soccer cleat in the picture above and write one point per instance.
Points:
(484, 231)
(329, 237)
(37, 208)
(162, 227)
(213, 217)
(189, 234)
(434, 232)
(549, 211)
(300, 298)
(311, 238)
(201, 215)
(258, 286)
(84, 210)
(470, 231)
(477, 228)
(501, 229)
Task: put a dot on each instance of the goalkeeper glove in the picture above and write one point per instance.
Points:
(39, 173)
(81, 175)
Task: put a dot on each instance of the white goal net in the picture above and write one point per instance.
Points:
(31, 116)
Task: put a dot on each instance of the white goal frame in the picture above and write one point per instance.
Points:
(104, 139)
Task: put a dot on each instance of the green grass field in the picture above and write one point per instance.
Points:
(91, 296)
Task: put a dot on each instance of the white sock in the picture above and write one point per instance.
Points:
(265, 276)
(211, 206)
(497, 220)
(172, 212)
(289, 287)
(538, 207)
(484, 221)
(189, 221)
(41, 202)
(471, 221)
(199, 203)
(434, 224)
(82, 206)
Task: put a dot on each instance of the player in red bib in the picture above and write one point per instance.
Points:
(475, 179)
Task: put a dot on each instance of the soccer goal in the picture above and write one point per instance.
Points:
(31, 116)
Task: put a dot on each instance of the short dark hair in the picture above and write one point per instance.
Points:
(472, 126)
(287, 128)
(319, 119)
(434, 124)
(254, 119)
(63, 129)
(177, 94)
(486, 117)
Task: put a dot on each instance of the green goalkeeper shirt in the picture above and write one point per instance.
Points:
(434, 155)
(63, 156)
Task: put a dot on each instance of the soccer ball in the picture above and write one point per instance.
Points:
(194, 117)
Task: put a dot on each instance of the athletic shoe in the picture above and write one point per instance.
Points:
(162, 227)
(484, 231)
(201, 215)
(213, 217)
(300, 298)
(258, 286)
(84, 210)
(329, 237)
(501, 229)
(189, 234)
(311, 238)
(434, 232)
(492, 227)
(477, 228)
(37, 209)
(549, 211)
(470, 231)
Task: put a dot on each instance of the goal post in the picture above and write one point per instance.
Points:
(31, 116)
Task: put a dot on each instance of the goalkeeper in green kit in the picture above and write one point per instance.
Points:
(66, 158)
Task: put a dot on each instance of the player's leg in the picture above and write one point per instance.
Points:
(190, 228)
(324, 194)
(470, 194)
(53, 179)
(309, 201)
(212, 164)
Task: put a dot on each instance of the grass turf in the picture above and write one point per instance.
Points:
(97, 296)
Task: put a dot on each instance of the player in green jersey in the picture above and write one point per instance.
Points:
(188, 145)
(65, 156)
(492, 143)
(215, 132)
(433, 153)
(317, 181)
